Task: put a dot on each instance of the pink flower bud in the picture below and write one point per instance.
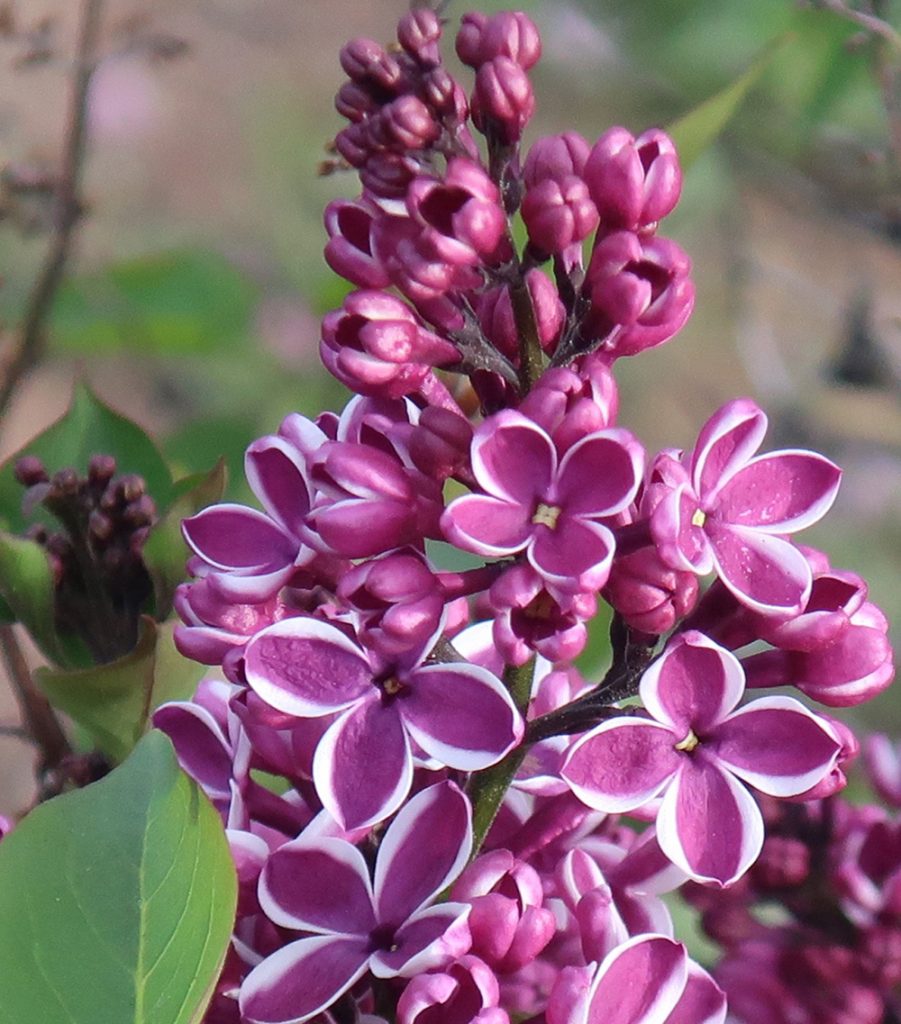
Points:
(349, 249)
(508, 923)
(397, 600)
(510, 34)
(440, 442)
(558, 213)
(387, 175)
(569, 405)
(642, 286)
(375, 345)
(445, 96)
(409, 123)
(466, 992)
(461, 214)
(354, 102)
(364, 61)
(419, 32)
(556, 157)
(495, 311)
(634, 182)
(650, 596)
(503, 101)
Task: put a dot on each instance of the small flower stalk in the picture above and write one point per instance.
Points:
(469, 831)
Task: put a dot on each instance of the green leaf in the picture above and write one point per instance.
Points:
(598, 653)
(116, 901)
(26, 585)
(165, 551)
(114, 702)
(696, 130)
(174, 302)
(89, 427)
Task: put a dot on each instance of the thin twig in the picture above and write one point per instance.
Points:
(68, 210)
(42, 725)
(877, 26)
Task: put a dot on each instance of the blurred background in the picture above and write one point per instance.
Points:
(193, 298)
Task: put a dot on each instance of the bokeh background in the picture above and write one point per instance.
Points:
(193, 300)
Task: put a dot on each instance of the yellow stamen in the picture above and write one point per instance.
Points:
(392, 686)
(689, 743)
(546, 515)
(698, 519)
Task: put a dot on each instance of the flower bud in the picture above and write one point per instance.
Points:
(375, 345)
(634, 182)
(419, 32)
(387, 175)
(558, 213)
(354, 102)
(640, 285)
(349, 248)
(650, 596)
(409, 123)
(495, 311)
(364, 61)
(503, 101)
(510, 34)
(440, 442)
(556, 157)
(461, 214)
(466, 992)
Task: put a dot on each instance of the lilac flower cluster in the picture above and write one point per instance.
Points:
(446, 842)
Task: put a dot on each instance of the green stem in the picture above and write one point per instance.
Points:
(531, 358)
(487, 788)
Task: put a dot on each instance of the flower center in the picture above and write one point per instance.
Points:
(689, 743)
(699, 518)
(381, 939)
(546, 515)
(392, 686)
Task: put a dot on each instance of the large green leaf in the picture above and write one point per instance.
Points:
(696, 130)
(26, 585)
(173, 302)
(116, 901)
(88, 428)
(113, 702)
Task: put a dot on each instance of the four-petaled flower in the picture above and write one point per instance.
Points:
(458, 714)
(547, 507)
(695, 751)
(731, 512)
(386, 926)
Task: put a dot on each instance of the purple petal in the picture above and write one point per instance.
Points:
(708, 823)
(575, 547)
(490, 526)
(693, 685)
(362, 527)
(423, 851)
(726, 441)
(319, 886)
(252, 589)
(276, 473)
(780, 493)
(462, 715)
(600, 474)
(238, 538)
(302, 978)
(362, 768)
(621, 764)
(513, 458)
(306, 667)
(766, 573)
(702, 1002)
(776, 745)
(200, 745)
(433, 938)
(679, 542)
(639, 982)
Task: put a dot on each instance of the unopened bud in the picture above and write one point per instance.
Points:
(418, 32)
(29, 470)
(503, 101)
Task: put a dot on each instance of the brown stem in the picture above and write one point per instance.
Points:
(37, 714)
(68, 209)
(877, 26)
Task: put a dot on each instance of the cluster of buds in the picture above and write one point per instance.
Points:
(424, 715)
(101, 583)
